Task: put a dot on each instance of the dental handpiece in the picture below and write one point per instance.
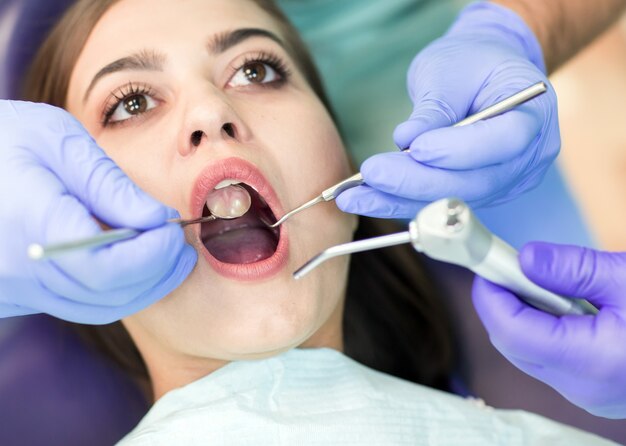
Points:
(357, 179)
(448, 230)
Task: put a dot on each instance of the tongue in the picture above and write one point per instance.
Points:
(245, 245)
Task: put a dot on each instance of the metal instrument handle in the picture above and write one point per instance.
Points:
(332, 192)
(39, 252)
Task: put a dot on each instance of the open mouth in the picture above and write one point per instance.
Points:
(243, 240)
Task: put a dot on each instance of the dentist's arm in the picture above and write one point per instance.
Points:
(563, 27)
(493, 50)
(582, 357)
(53, 180)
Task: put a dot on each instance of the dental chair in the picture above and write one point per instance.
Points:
(54, 390)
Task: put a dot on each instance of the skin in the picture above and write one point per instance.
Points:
(563, 27)
(284, 131)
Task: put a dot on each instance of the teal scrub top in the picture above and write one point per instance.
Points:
(363, 49)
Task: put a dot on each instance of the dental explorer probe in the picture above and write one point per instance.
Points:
(38, 252)
(356, 180)
(447, 230)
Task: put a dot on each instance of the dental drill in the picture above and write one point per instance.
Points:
(447, 230)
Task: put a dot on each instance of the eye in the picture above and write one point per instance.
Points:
(130, 106)
(255, 72)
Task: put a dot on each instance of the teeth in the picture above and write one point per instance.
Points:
(230, 182)
(229, 202)
(226, 183)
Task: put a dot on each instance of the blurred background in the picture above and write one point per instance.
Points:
(592, 94)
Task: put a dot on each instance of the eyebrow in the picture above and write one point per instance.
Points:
(224, 41)
(144, 60)
(151, 60)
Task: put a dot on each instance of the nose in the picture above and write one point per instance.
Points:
(210, 120)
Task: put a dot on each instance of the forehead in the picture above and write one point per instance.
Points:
(171, 18)
(169, 26)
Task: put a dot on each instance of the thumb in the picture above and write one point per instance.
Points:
(117, 201)
(597, 276)
(431, 111)
(104, 189)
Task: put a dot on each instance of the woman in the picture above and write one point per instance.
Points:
(183, 109)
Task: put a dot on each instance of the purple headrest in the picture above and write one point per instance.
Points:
(30, 21)
(55, 390)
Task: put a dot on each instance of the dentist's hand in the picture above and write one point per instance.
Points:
(53, 179)
(487, 55)
(582, 357)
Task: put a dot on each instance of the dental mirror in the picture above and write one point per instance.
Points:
(226, 202)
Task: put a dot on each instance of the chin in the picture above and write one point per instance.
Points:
(261, 341)
(212, 316)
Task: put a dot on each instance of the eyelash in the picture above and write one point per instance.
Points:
(122, 93)
(119, 95)
(275, 62)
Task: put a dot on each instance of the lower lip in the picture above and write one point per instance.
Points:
(263, 269)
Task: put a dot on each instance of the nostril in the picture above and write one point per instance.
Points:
(196, 138)
(229, 129)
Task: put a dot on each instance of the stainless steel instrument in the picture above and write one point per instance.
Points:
(448, 230)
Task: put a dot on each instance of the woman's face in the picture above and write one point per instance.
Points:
(183, 95)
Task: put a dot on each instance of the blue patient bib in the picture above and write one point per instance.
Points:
(321, 397)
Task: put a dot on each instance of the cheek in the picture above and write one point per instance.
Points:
(306, 145)
(143, 157)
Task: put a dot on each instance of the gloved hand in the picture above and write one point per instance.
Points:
(486, 56)
(582, 357)
(53, 179)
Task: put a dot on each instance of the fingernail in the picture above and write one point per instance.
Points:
(536, 255)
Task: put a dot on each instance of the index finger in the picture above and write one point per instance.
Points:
(522, 332)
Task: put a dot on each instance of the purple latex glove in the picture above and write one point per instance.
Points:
(53, 179)
(582, 357)
(486, 56)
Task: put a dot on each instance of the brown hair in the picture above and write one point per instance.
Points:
(394, 320)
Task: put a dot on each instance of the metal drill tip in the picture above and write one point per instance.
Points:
(351, 248)
(310, 266)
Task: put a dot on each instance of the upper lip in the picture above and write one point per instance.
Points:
(236, 169)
